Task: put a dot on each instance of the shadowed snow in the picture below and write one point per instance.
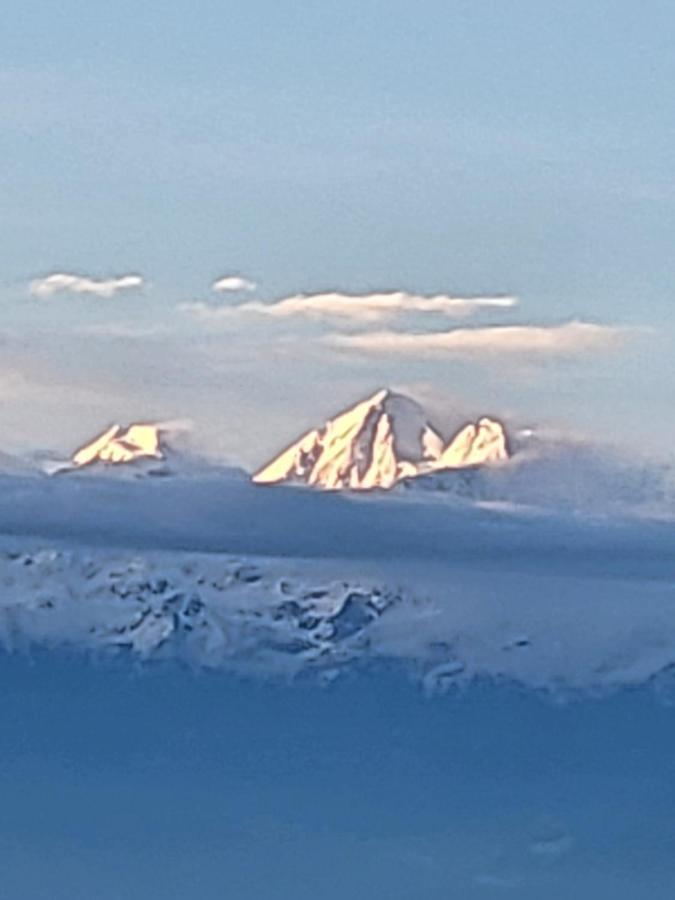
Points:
(222, 573)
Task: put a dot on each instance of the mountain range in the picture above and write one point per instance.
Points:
(380, 442)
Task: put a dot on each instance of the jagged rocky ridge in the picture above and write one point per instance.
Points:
(139, 450)
(378, 443)
(121, 445)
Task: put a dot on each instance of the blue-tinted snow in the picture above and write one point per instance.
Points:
(451, 591)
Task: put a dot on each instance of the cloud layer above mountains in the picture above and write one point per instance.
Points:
(556, 340)
(358, 307)
(239, 357)
(415, 319)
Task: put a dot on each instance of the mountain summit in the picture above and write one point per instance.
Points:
(379, 442)
(119, 445)
(142, 449)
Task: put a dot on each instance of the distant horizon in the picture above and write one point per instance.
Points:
(447, 422)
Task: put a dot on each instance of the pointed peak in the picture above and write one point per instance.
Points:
(476, 444)
(381, 395)
(378, 442)
(388, 393)
(119, 445)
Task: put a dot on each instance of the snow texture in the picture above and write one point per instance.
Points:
(379, 442)
(217, 572)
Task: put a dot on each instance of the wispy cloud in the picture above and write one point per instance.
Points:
(207, 311)
(126, 330)
(65, 282)
(355, 307)
(233, 284)
(556, 340)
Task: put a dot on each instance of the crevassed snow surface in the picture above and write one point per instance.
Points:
(288, 582)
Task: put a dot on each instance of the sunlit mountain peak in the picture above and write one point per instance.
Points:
(119, 445)
(377, 443)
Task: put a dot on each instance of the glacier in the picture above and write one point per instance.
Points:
(218, 572)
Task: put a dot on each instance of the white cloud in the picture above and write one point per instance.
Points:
(61, 282)
(557, 340)
(233, 284)
(356, 307)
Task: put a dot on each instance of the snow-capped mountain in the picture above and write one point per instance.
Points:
(321, 618)
(379, 442)
(219, 573)
(143, 449)
(137, 449)
(476, 444)
(119, 445)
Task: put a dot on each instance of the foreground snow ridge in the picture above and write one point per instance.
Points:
(213, 611)
(379, 442)
(266, 617)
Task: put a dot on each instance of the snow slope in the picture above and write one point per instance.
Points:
(137, 451)
(118, 445)
(289, 582)
(378, 442)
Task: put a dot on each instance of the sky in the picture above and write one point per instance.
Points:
(250, 215)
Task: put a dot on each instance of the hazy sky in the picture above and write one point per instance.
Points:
(437, 149)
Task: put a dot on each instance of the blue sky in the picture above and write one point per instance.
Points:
(453, 148)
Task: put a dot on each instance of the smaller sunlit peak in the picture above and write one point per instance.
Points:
(116, 445)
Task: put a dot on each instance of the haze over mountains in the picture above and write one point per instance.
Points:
(141, 448)
(386, 442)
(375, 444)
(440, 569)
